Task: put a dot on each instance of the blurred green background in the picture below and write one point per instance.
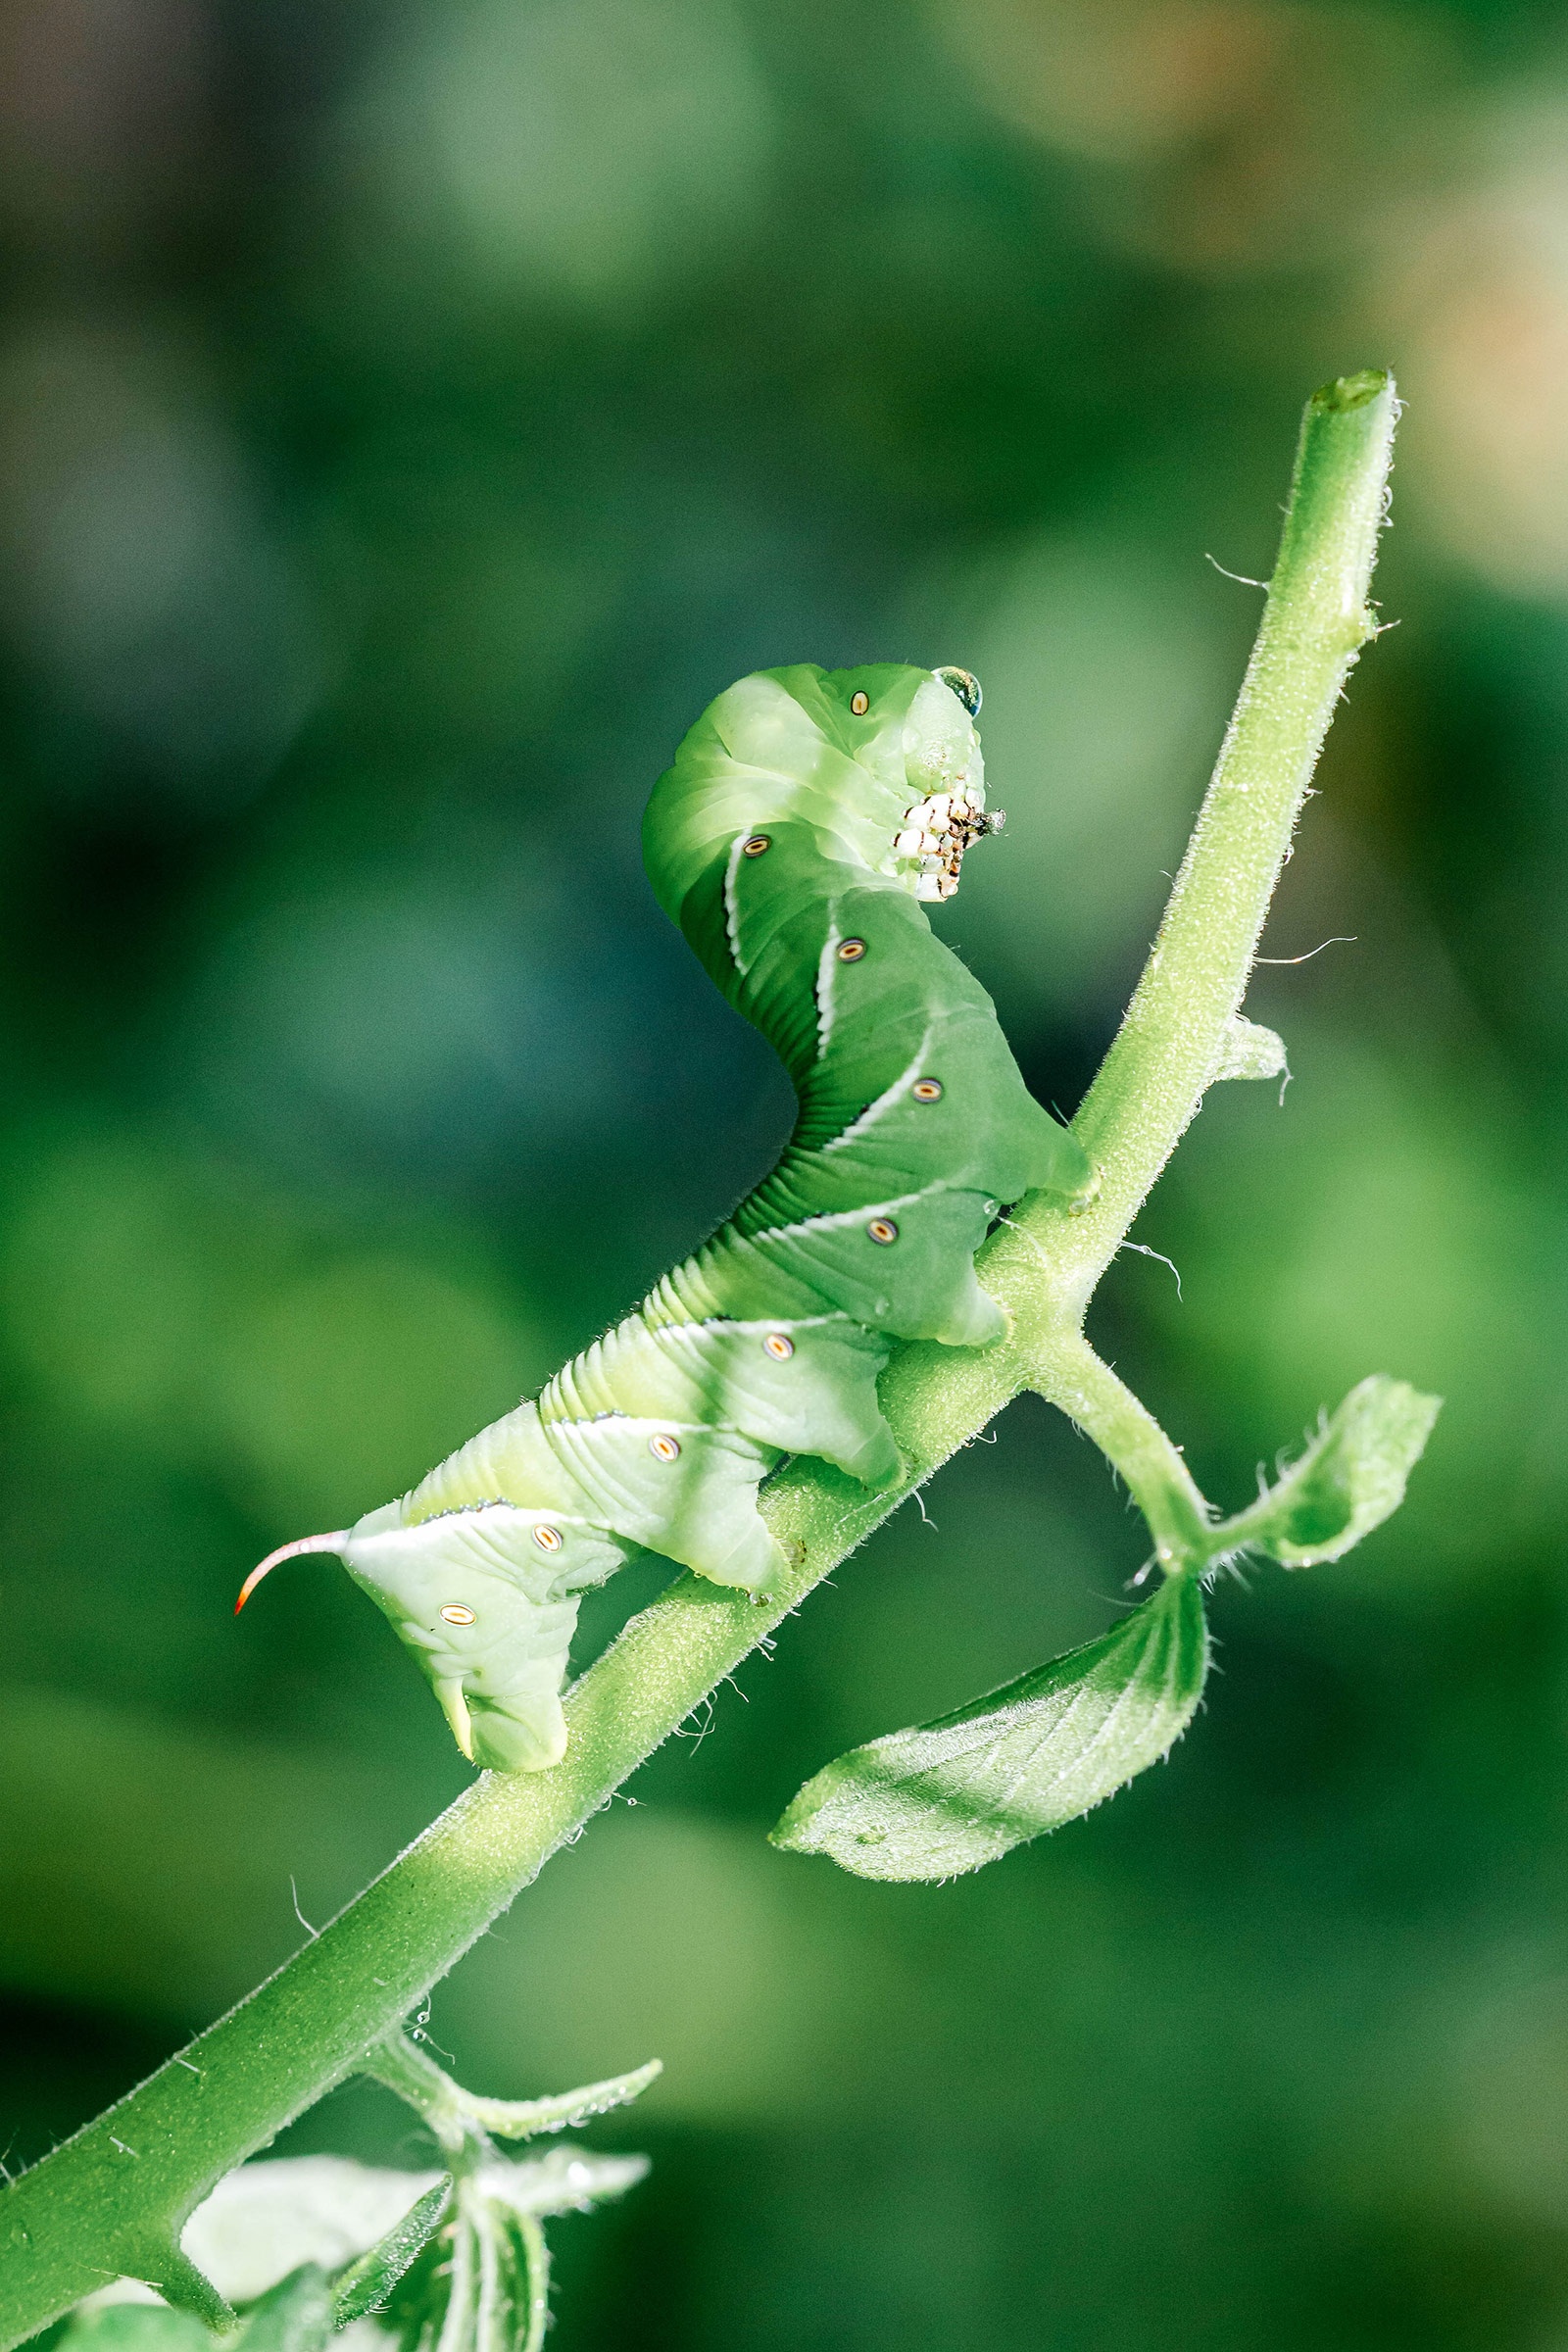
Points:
(410, 416)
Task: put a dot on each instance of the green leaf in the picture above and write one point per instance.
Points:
(263, 2221)
(524, 2119)
(295, 2316)
(480, 2283)
(436, 2301)
(1347, 1482)
(950, 1796)
(509, 2266)
(564, 2180)
(365, 2286)
(131, 2328)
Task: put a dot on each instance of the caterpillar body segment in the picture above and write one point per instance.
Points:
(489, 1612)
(808, 1387)
(805, 822)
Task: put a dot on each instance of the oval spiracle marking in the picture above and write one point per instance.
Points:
(851, 951)
(665, 1449)
(927, 1089)
(779, 1345)
(883, 1229)
(755, 844)
(548, 1539)
(456, 1614)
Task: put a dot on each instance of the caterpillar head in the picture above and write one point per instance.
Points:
(868, 756)
(936, 768)
(946, 776)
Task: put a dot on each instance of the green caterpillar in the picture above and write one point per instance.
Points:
(805, 818)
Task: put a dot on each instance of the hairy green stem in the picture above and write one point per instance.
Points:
(1067, 1371)
(464, 2125)
(533, 2239)
(115, 2198)
(1169, 1046)
(1314, 624)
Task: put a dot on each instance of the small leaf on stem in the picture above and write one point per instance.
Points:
(950, 1796)
(366, 2285)
(1349, 1480)
(1250, 1051)
(131, 2328)
(295, 2316)
(480, 2281)
(524, 2119)
(563, 2180)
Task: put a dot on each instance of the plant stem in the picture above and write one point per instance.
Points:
(1068, 1373)
(533, 2239)
(463, 2124)
(1314, 624)
(427, 2087)
(1165, 1053)
(114, 2198)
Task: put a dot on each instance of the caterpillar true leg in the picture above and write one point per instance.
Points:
(806, 819)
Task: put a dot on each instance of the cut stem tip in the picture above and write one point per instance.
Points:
(1352, 391)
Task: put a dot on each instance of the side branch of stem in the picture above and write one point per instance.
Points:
(1070, 1375)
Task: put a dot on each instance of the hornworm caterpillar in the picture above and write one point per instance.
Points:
(805, 818)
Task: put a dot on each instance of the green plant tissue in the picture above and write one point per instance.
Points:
(950, 1796)
(1350, 1479)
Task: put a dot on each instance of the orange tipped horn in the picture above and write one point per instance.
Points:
(288, 1552)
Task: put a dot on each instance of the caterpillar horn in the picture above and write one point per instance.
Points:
(288, 1552)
